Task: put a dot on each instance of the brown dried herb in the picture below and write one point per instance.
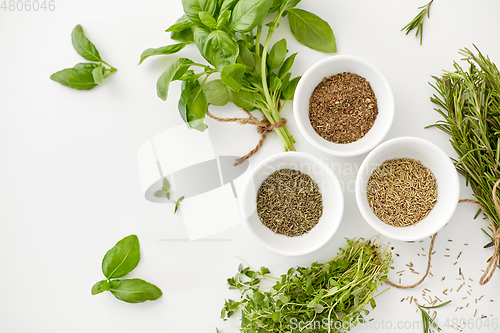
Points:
(401, 191)
(343, 108)
(289, 202)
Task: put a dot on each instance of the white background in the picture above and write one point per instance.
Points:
(70, 189)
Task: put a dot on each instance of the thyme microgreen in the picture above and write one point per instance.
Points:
(418, 21)
(165, 191)
(427, 322)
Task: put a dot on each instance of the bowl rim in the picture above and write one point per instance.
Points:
(313, 140)
(436, 151)
(336, 187)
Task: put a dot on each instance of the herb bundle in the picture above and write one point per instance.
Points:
(253, 76)
(469, 101)
(84, 75)
(335, 292)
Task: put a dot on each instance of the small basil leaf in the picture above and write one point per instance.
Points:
(207, 20)
(289, 92)
(223, 18)
(216, 92)
(100, 287)
(181, 25)
(161, 194)
(285, 79)
(277, 54)
(275, 82)
(311, 31)
(172, 73)
(247, 14)
(98, 75)
(243, 99)
(134, 290)
(88, 66)
(287, 65)
(200, 39)
(193, 105)
(166, 184)
(122, 258)
(81, 79)
(232, 76)
(164, 50)
(257, 70)
(185, 35)
(180, 199)
(228, 5)
(289, 4)
(193, 7)
(83, 45)
(220, 49)
(275, 6)
(246, 57)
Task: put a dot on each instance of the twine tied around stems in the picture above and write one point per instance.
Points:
(263, 128)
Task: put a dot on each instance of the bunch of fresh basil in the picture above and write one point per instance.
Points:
(84, 75)
(118, 262)
(253, 76)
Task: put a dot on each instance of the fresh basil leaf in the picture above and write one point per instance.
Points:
(311, 31)
(193, 105)
(166, 184)
(257, 70)
(193, 7)
(223, 18)
(134, 290)
(100, 287)
(164, 50)
(246, 56)
(285, 79)
(88, 66)
(81, 79)
(277, 54)
(289, 4)
(228, 5)
(83, 45)
(287, 65)
(275, 82)
(289, 92)
(207, 20)
(220, 49)
(98, 75)
(275, 6)
(247, 14)
(172, 73)
(122, 258)
(181, 25)
(232, 76)
(185, 35)
(200, 39)
(161, 194)
(216, 92)
(243, 99)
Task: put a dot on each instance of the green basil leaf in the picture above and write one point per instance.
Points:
(289, 92)
(193, 105)
(88, 66)
(243, 99)
(134, 290)
(228, 5)
(166, 184)
(275, 6)
(257, 70)
(200, 39)
(83, 45)
(100, 287)
(185, 35)
(246, 56)
(98, 75)
(311, 31)
(207, 20)
(182, 24)
(164, 50)
(275, 82)
(277, 54)
(285, 79)
(287, 65)
(289, 4)
(247, 14)
(216, 92)
(223, 18)
(172, 73)
(193, 7)
(220, 49)
(122, 258)
(232, 76)
(81, 79)
(161, 194)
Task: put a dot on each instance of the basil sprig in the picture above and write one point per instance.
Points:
(118, 262)
(84, 76)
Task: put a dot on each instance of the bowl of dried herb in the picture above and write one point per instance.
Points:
(292, 203)
(343, 105)
(407, 188)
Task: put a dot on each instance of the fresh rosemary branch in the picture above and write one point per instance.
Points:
(418, 21)
(427, 322)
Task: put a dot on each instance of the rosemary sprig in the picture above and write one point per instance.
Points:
(427, 322)
(418, 21)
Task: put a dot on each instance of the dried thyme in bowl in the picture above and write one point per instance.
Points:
(401, 192)
(289, 202)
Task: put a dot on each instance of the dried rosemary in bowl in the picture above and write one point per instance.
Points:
(401, 192)
(289, 202)
(343, 108)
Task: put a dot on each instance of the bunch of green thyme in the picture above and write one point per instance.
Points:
(333, 294)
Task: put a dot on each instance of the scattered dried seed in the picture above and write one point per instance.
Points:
(459, 255)
(460, 287)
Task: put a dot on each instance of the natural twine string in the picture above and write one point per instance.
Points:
(263, 128)
(495, 259)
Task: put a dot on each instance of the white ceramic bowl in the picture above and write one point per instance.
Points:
(334, 65)
(433, 158)
(329, 187)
